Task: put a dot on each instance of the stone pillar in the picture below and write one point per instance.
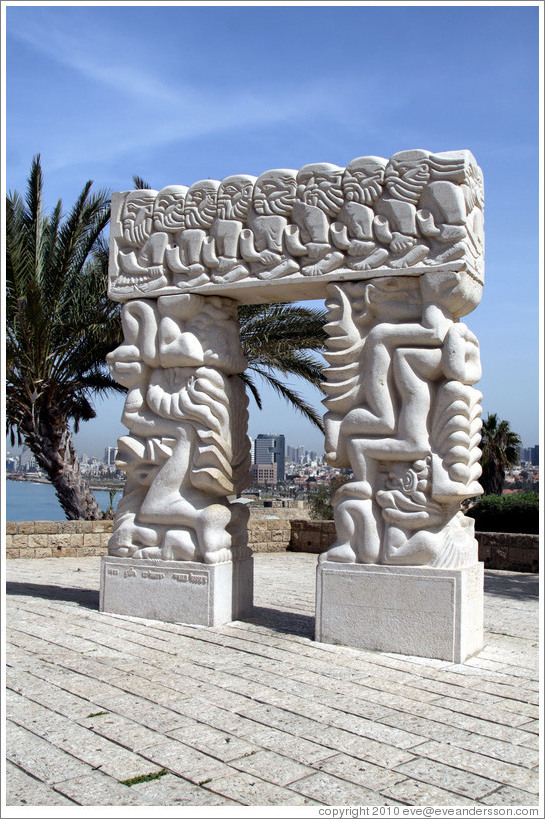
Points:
(404, 416)
(179, 549)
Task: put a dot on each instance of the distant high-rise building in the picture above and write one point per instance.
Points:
(534, 455)
(271, 449)
(110, 454)
(264, 474)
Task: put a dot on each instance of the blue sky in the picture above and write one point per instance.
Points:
(179, 93)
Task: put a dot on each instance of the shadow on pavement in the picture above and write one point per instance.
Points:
(517, 586)
(288, 622)
(88, 598)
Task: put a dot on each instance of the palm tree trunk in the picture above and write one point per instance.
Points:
(56, 455)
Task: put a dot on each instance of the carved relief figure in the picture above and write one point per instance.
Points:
(141, 249)
(262, 242)
(407, 174)
(185, 258)
(319, 200)
(362, 185)
(450, 215)
(186, 412)
(402, 506)
(221, 250)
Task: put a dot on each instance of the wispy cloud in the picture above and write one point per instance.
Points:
(167, 108)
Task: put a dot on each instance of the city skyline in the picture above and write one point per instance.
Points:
(79, 71)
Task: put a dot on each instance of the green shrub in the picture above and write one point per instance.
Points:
(319, 499)
(507, 513)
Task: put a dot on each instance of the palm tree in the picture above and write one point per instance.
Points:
(278, 338)
(60, 326)
(499, 446)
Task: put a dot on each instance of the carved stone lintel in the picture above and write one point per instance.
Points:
(302, 229)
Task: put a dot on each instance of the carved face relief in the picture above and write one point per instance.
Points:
(274, 193)
(137, 217)
(168, 210)
(407, 174)
(320, 185)
(201, 204)
(363, 179)
(235, 197)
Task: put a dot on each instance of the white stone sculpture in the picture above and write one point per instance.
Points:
(397, 246)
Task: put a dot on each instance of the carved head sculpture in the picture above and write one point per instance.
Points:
(274, 192)
(196, 331)
(137, 217)
(201, 204)
(320, 185)
(235, 197)
(168, 210)
(363, 179)
(407, 174)
(460, 168)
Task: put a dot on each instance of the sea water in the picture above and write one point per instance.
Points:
(26, 500)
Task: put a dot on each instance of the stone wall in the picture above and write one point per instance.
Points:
(497, 550)
(83, 538)
(66, 538)
(510, 552)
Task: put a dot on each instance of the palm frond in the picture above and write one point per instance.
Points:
(293, 397)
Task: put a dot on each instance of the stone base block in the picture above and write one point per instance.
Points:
(173, 591)
(436, 613)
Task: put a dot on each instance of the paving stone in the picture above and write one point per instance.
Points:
(533, 742)
(186, 762)
(452, 779)
(171, 790)
(97, 751)
(250, 790)
(413, 792)
(479, 764)
(219, 744)
(361, 773)
(510, 796)
(22, 789)
(99, 789)
(330, 790)
(40, 759)
(280, 770)
(146, 713)
(494, 713)
(124, 731)
(296, 748)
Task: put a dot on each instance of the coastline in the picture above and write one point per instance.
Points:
(98, 486)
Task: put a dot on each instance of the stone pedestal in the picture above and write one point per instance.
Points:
(173, 591)
(426, 612)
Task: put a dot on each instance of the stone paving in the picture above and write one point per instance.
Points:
(105, 710)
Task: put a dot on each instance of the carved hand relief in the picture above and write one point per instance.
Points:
(415, 211)
(403, 414)
(186, 412)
